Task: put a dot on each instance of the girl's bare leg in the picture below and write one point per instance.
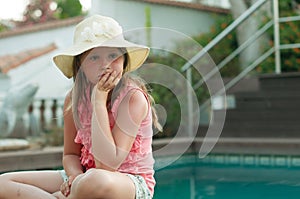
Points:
(30, 184)
(98, 183)
(59, 195)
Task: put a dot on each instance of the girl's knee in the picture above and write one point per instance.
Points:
(5, 178)
(95, 182)
(98, 180)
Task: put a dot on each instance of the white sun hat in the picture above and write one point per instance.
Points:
(99, 31)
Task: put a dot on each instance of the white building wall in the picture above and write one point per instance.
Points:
(42, 71)
(131, 15)
(176, 22)
(14, 44)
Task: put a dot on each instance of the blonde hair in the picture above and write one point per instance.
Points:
(82, 86)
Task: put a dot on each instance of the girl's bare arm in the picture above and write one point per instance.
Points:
(111, 147)
(72, 150)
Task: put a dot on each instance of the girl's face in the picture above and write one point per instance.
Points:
(101, 60)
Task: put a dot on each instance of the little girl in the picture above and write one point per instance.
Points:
(108, 121)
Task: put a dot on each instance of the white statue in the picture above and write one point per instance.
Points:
(14, 120)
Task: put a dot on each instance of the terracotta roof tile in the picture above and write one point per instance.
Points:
(8, 62)
(41, 26)
(196, 6)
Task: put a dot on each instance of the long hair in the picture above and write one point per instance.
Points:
(82, 87)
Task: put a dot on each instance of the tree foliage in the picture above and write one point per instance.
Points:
(39, 11)
(165, 97)
(289, 34)
(3, 27)
(175, 104)
(223, 48)
(68, 8)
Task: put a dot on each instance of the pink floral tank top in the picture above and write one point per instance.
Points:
(140, 159)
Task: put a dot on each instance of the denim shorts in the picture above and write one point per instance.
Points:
(141, 189)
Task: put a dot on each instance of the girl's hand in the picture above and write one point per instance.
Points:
(65, 188)
(108, 81)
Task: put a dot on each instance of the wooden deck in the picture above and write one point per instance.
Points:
(51, 157)
(46, 158)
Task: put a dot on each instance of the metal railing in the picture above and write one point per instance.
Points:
(275, 21)
(223, 34)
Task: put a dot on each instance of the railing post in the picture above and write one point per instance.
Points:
(190, 103)
(276, 36)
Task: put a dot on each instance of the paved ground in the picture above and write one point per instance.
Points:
(50, 157)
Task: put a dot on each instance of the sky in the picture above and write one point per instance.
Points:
(13, 9)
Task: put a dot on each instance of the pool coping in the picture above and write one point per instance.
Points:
(249, 152)
(268, 146)
(51, 157)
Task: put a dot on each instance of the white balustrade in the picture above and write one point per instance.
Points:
(46, 113)
(36, 109)
(48, 116)
(59, 112)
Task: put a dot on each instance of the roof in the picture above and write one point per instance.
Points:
(34, 66)
(41, 26)
(11, 61)
(196, 6)
(75, 20)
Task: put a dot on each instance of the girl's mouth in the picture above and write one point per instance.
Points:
(101, 75)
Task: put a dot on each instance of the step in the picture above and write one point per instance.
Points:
(244, 129)
(261, 129)
(273, 94)
(266, 104)
(259, 115)
(280, 81)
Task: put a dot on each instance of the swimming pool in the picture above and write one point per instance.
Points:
(229, 177)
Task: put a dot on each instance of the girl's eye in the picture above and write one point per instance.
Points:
(94, 58)
(113, 56)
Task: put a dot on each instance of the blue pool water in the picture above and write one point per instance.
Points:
(219, 177)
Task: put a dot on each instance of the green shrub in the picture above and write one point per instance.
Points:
(289, 34)
(165, 97)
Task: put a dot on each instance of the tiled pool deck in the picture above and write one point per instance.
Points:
(251, 160)
(261, 152)
(230, 151)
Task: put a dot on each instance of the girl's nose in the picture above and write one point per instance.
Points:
(105, 64)
(105, 67)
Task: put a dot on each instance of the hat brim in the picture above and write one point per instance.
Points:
(137, 54)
